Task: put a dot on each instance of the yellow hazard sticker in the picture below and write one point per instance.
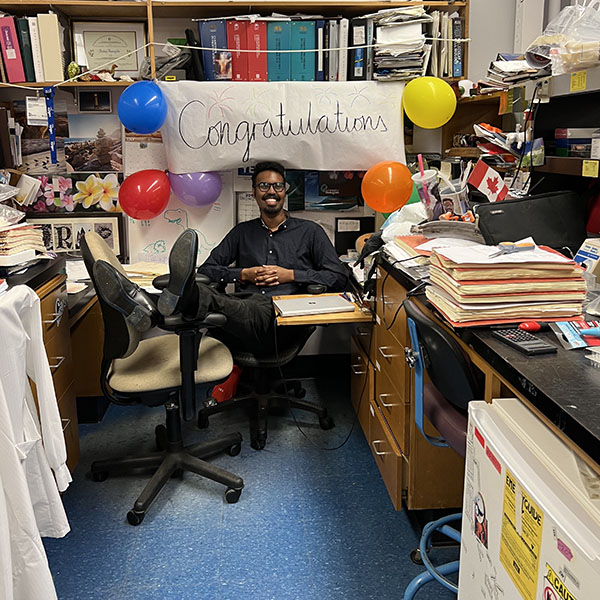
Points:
(557, 584)
(521, 537)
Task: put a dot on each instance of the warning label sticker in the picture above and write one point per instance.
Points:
(521, 537)
(557, 585)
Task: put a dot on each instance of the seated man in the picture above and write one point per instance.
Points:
(275, 254)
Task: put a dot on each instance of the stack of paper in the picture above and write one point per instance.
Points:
(401, 52)
(469, 287)
(509, 70)
(143, 273)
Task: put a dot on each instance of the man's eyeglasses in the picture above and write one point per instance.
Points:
(264, 186)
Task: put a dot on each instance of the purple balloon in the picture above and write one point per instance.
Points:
(196, 189)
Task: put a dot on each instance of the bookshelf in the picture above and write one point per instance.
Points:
(148, 11)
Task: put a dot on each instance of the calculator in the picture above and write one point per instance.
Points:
(523, 341)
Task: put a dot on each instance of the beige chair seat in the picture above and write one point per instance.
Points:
(155, 365)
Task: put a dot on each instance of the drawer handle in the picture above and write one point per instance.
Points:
(355, 370)
(387, 302)
(388, 356)
(382, 396)
(362, 331)
(56, 319)
(378, 452)
(66, 423)
(61, 360)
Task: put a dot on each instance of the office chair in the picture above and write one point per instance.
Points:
(444, 402)
(163, 370)
(268, 389)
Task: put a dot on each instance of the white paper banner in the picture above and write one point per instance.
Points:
(317, 125)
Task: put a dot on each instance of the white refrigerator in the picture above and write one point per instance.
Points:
(531, 511)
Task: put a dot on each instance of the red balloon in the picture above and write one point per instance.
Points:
(387, 186)
(145, 194)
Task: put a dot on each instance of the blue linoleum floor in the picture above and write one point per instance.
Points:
(310, 524)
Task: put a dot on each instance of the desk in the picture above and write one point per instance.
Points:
(360, 315)
(561, 389)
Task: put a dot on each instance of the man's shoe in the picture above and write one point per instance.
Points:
(124, 296)
(181, 294)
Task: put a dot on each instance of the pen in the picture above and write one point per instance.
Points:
(348, 297)
(595, 331)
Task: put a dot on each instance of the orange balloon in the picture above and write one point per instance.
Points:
(387, 186)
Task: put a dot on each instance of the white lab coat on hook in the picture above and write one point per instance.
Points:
(33, 466)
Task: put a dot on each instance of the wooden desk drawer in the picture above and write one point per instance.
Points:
(361, 383)
(390, 295)
(55, 316)
(363, 335)
(394, 407)
(67, 407)
(387, 455)
(388, 355)
(58, 350)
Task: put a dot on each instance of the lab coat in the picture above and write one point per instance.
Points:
(34, 469)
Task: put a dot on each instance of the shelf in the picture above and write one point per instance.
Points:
(70, 84)
(564, 165)
(109, 9)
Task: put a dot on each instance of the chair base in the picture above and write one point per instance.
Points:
(260, 401)
(173, 459)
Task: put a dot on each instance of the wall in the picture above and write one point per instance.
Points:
(491, 28)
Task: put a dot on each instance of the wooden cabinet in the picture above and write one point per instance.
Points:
(57, 341)
(424, 475)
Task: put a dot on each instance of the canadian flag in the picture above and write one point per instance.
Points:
(488, 182)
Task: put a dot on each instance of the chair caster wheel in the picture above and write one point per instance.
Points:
(326, 422)
(232, 496)
(135, 517)
(234, 450)
(299, 392)
(160, 435)
(415, 556)
(258, 443)
(202, 421)
(99, 475)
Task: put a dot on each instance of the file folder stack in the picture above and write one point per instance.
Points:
(19, 243)
(403, 53)
(469, 287)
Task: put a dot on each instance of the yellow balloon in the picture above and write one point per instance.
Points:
(429, 102)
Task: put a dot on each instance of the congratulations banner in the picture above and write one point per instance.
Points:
(317, 125)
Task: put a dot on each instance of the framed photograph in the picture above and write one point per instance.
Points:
(98, 45)
(62, 232)
(95, 101)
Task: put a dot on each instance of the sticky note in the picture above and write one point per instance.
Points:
(589, 168)
(578, 81)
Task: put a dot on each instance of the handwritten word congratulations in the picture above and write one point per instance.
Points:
(225, 133)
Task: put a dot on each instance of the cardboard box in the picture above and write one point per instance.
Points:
(589, 256)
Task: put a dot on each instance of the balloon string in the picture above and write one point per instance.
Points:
(236, 50)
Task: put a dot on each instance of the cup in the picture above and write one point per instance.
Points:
(457, 198)
(428, 180)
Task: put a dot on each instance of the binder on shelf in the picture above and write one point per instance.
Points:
(343, 50)
(11, 52)
(22, 25)
(217, 64)
(457, 47)
(6, 159)
(320, 46)
(52, 57)
(278, 38)
(303, 38)
(357, 57)
(257, 59)
(36, 51)
(334, 55)
(237, 40)
(197, 70)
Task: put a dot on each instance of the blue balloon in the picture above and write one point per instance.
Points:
(142, 107)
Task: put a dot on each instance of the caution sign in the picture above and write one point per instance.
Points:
(556, 584)
(520, 537)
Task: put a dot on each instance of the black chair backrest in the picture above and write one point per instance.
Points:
(120, 339)
(447, 365)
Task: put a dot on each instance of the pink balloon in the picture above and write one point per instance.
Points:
(196, 189)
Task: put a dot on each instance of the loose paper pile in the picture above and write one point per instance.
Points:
(18, 244)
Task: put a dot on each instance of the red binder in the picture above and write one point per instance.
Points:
(257, 60)
(11, 52)
(237, 39)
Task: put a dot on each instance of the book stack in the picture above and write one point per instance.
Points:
(19, 243)
(402, 53)
(446, 53)
(32, 49)
(469, 287)
(508, 70)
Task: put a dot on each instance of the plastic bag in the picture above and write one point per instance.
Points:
(570, 42)
(7, 191)
(400, 222)
(9, 215)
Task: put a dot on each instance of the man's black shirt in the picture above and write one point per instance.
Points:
(297, 244)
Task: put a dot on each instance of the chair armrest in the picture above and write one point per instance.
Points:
(177, 323)
(160, 282)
